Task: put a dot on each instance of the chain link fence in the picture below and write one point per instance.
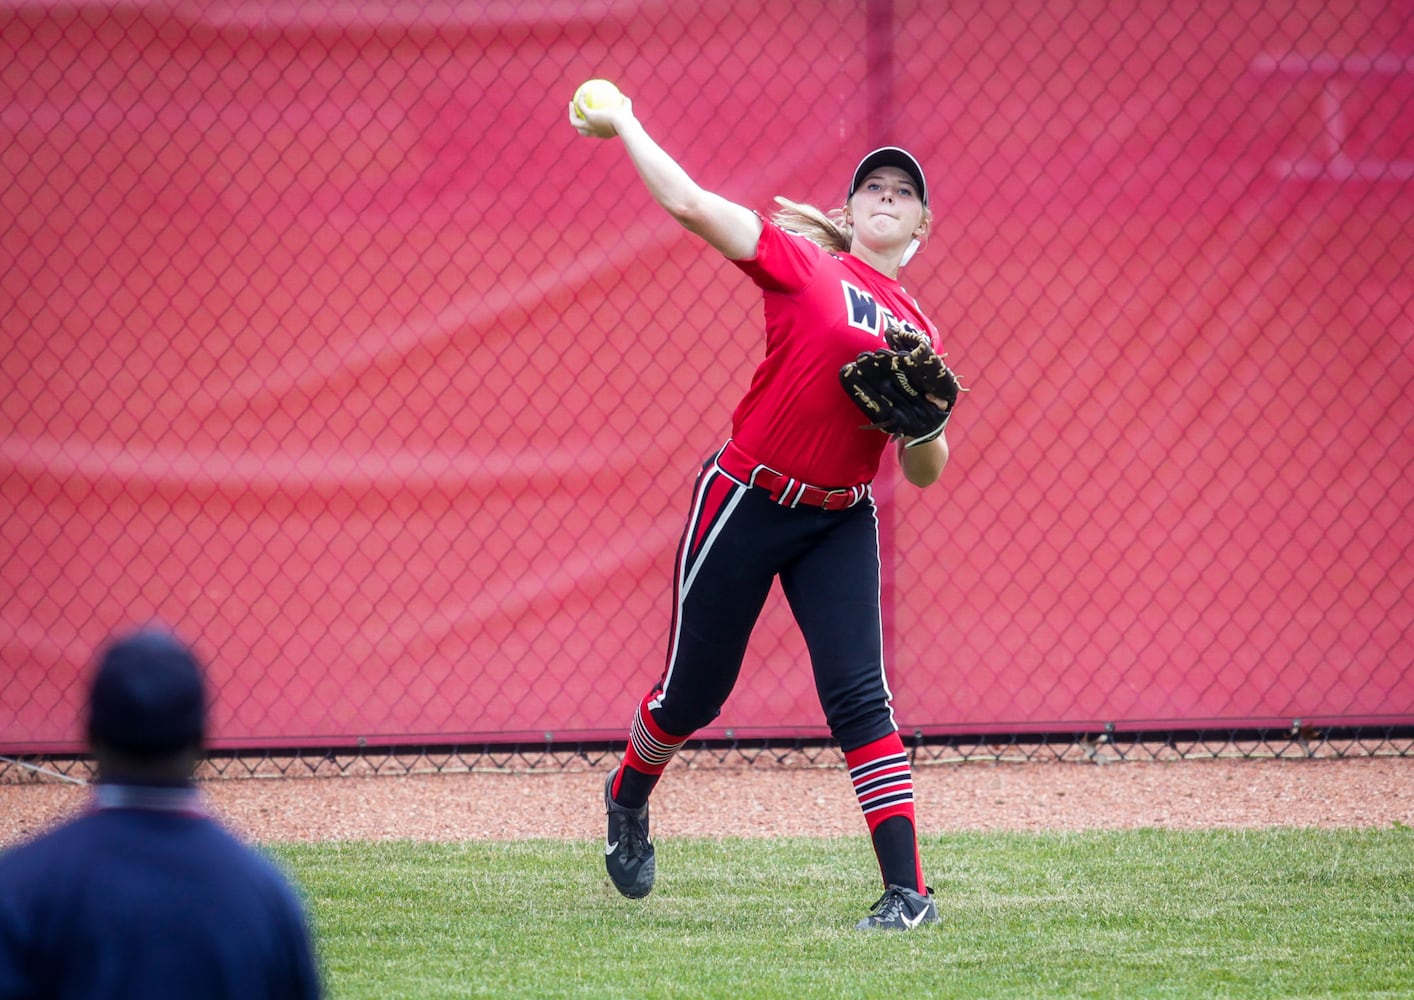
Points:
(328, 344)
(1094, 749)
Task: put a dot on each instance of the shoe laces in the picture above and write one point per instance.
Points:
(890, 905)
(633, 838)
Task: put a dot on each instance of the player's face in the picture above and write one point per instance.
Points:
(886, 207)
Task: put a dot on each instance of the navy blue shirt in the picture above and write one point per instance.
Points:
(145, 896)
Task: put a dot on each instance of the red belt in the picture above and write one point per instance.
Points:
(784, 490)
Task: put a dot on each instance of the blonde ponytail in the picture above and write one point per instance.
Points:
(829, 231)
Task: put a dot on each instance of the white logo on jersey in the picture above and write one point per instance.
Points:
(864, 312)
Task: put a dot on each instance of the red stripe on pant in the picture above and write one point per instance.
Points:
(717, 491)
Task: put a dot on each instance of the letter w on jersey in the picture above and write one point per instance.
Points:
(865, 313)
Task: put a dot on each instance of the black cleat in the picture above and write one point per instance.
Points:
(628, 853)
(900, 909)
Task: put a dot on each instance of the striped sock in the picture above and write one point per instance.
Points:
(650, 750)
(883, 784)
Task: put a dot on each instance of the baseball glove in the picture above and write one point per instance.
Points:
(905, 389)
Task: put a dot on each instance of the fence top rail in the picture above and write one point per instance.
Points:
(1330, 64)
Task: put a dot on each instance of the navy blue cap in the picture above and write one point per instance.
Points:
(890, 156)
(148, 697)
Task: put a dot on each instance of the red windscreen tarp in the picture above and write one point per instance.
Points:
(328, 343)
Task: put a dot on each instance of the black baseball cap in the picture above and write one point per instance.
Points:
(148, 698)
(890, 156)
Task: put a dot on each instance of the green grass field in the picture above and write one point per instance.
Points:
(1269, 914)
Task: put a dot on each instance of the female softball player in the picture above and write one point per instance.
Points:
(788, 496)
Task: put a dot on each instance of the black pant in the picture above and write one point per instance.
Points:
(737, 541)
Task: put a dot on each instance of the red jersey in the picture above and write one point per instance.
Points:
(822, 309)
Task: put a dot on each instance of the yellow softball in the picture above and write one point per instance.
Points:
(597, 94)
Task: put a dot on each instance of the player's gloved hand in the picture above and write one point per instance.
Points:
(906, 390)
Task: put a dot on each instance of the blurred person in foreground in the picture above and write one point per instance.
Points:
(144, 894)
